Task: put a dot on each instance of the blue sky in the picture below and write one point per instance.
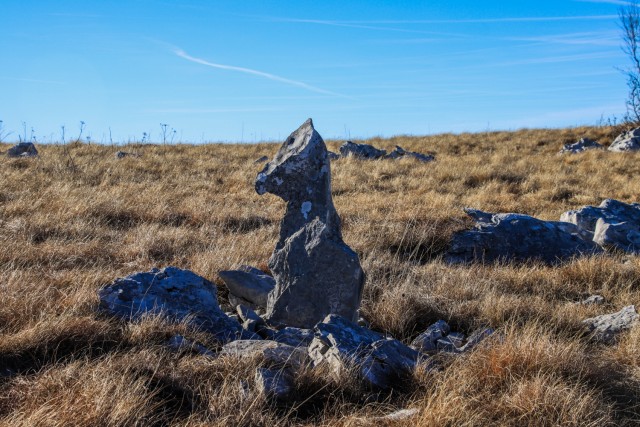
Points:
(254, 70)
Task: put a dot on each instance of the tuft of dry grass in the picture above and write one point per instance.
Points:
(75, 218)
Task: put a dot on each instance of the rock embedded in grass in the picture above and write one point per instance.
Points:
(606, 327)
(23, 149)
(361, 151)
(180, 295)
(400, 152)
(626, 141)
(517, 237)
(315, 272)
(612, 225)
(249, 284)
(582, 145)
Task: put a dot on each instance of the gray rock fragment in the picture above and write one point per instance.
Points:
(316, 273)
(606, 327)
(332, 155)
(593, 300)
(612, 225)
(273, 354)
(379, 361)
(294, 336)
(248, 285)
(180, 295)
(400, 152)
(476, 338)
(426, 341)
(626, 141)
(23, 149)
(395, 416)
(261, 160)
(582, 145)
(361, 151)
(517, 237)
(276, 384)
(123, 154)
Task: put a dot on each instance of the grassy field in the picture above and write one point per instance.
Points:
(77, 217)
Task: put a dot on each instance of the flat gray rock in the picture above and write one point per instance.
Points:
(361, 151)
(274, 354)
(23, 149)
(400, 152)
(179, 343)
(612, 225)
(275, 384)
(626, 141)
(582, 145)
(427, 341)
(249, 284)
(294, 336)
(382, 363)
(316, 273)
(175, 293)
(606, 327)
(593, 300)
(517, 237)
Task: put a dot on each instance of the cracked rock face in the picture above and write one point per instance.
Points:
(612, 225)
(23, 149)
(607, 326)
(315, 272)
(178, 294)
(517, 237)
(627, 141)
(361, 151)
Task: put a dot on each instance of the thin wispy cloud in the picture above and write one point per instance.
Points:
(367, 23)
(212, 110)
(616, 2)
(559, 59)
(182, 54)
(606, 38)
(43, 81)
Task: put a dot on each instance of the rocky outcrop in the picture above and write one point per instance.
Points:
(438, 337)
(400, 152)
(612, 225)
(23, 149)
(582, 145)
(248, 285)
(315, 272)
(180, 295)
(517, 237)
(361, 151)
(627, 141)
(380, 362)
(605, 328)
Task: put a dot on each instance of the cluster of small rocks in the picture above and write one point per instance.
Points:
(626, 141)
(369, 152)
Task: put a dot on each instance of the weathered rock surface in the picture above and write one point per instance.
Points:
(400, 152)
(178, 294)
(316, 273)
(582, 145)
(332, 155)
(273, 354)
(361, 151)
(593, 300)
(276, 384)
(381, 362)
(23, 149)
(517, 237)
(294, 336)
(606, 327)
(123, 154)
(427, 341)
(627, 141)
(261, 160)
(249, 284)
(612, 225)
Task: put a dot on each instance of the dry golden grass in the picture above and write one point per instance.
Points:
(76, 218)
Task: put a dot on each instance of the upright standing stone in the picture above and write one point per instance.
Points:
(316, 273)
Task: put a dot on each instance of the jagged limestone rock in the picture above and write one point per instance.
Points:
(361, 151)
(626, 141)
(582, 145)
(175, 293)
(607, 326)
(316, 273)
(517, 237)
(400, 152)
(249, 284)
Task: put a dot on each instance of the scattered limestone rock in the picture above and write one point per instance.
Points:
(606, 327)
(593, 300)
(274, 354)
(395, 416)
(361, 151)
(123, 154)
(626, 141)
(517, 237)
(261, 160)
(612, 225)
(476, 338)
(380, 362)
(248, 285)
(582, 145)
(427, 341)
(180, 295)
(275, 384)
(400, 152)
(23, 149)
(315, 272)
(294, 336)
